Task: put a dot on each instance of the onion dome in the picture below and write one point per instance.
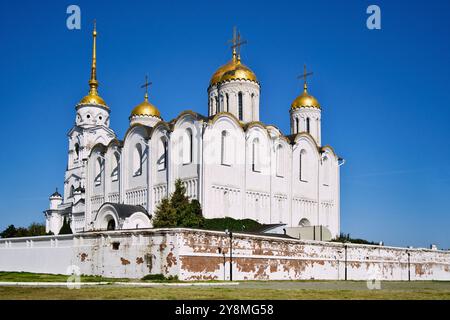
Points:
(56, 194)
(233, 70)
(93, 98)
(305, 100)
(145, 109)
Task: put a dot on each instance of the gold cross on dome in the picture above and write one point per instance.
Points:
(305, 75)
(237, 42)
(146, 85)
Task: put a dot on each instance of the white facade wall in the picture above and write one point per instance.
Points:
(235, 168)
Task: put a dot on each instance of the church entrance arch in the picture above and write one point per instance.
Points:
(111, 225)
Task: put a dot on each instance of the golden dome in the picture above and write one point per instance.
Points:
(93, 99)
(305, 100)
(145, 109)
(233, 70)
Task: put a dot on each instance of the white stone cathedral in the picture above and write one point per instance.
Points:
(235, 165)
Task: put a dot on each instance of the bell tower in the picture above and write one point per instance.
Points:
(91, 127)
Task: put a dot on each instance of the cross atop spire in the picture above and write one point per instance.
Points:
(236, 42)
(304, 76)
(146, 85)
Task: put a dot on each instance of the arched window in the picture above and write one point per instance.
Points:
(72, 191)
(187, 146)
(77, 151)
(162, 154)
(115, 171)
(225, 148)
(297, 129)
(228, 102)
(217, 105)
(308, 125)
(255, 156)
(253, 106)
(326, 171)
(211, 106)
(98, 171)
(137, 160)
(240, 106)
(302, 166)
(279, 161)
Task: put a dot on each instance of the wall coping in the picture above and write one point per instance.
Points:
(149, 231)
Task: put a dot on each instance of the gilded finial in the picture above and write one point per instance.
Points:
(237, 42)
(304, 76)
(93, 83)
(146, 85)
(93, 97)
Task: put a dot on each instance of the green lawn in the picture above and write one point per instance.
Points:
(42, 277)
(195, 293)
(254, 290)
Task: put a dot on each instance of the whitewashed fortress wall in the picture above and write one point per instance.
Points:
(199, 255)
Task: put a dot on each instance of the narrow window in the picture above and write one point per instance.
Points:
(98, 172)
(137, 160)
(187, 146)
(253, 106)
(228, 102)
(308, 125)
(223, 148)
(162, 154)
(115, 167)
(326, 172)
(255, 156)
(279, 161)
(240, 106)
(77, 151)
(217, 105)
(296, 125)
(302, 166)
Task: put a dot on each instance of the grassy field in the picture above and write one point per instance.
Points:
(213, 293)
(253, 290)
(42, 277)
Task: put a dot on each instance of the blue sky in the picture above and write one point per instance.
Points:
(385, 93)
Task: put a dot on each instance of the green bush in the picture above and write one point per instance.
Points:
(153, 277)
(231, 224)
(346, 238)
(159, 277)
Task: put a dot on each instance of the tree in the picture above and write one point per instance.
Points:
(191, 216)
(36, 229)
(65, 229)
(178, 211)
(9, 232)
(165, 215)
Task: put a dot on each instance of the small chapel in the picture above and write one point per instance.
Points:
(234, 164)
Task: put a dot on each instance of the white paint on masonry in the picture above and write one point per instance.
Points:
(194, 255)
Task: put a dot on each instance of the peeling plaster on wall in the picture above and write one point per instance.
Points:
(200, 255)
